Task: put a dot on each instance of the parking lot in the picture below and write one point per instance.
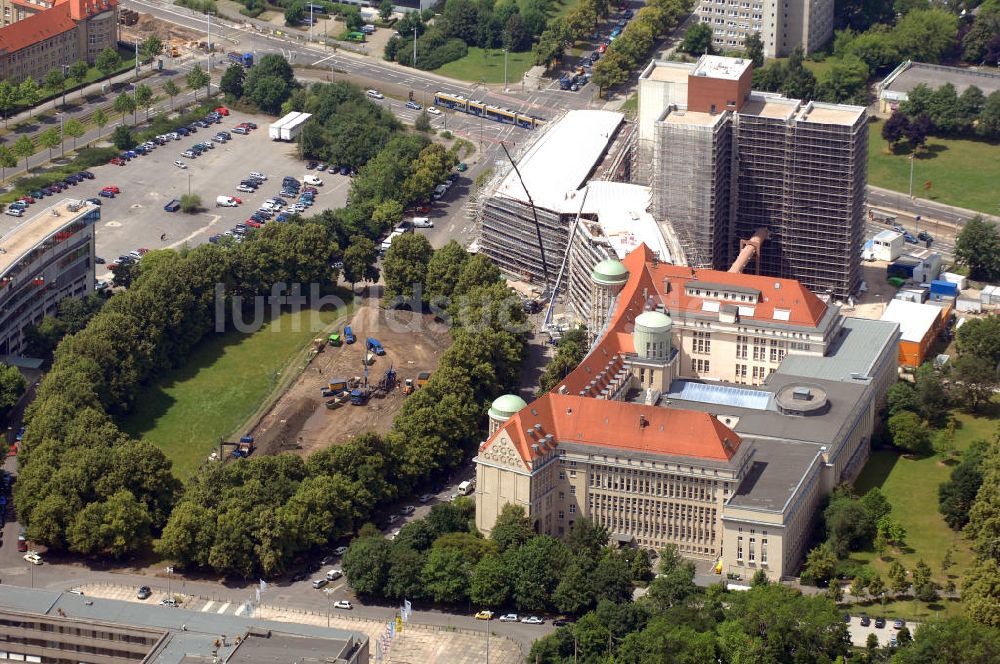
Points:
(859, 633)
(135, 218)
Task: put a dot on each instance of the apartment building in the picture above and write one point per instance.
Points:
(730, 161)
(782, 24)
(652, 436)
(44, 259)
(38, 37)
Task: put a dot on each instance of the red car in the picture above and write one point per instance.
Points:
(424, 209)
(112, 188)
(22, 546)
(27, 199)
(142, 251)
(252, 224)
(117, 161)
(602, 48)
(222, 110)
(12, 451)
(239, 201)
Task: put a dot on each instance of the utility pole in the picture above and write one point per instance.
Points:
(62, 131)
(487, 637)
(311, 21)
(64, 68)
(911, 177)
(505, 70)
(414, 47)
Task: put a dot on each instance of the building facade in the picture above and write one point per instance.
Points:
(44, 259)
(40, 37)
(782, 25)
(731, 161)
(659, 436)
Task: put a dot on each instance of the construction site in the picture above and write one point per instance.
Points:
(352, 385)
(178, 41)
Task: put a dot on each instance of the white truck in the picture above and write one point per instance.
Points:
(466, 487)
(386, 243)
(225, 201)
(288, 127)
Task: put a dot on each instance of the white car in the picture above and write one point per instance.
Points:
(509, 617)
(532, 620)
(342, 604)
(422, 222)
(425, 498)
(312, 179)
(375, 94)
(255, 174)
(33, 558)
(334, 574)
(433, 111)
(394, 534)
(408, 510)
(180, 164)
(340, 550)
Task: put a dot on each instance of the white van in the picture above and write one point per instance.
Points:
(386, 243)
(466, 487)
(422, 222)
(225, 201)
(334, 574)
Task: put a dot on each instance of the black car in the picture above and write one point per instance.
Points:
(95, 201)
(880, 622)
(99, 261)
(560, 622)
(183, 131)
(847, 618)
(865, 621)
(925, 236)
(86, 174)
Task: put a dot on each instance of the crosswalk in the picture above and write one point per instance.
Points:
(190, 602)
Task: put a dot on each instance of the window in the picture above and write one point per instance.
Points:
(741, 348)
(739, 548)
(751, 550)
(572, 490)
(763, 551)
(702, 343)
(562, 515)
(572, 509)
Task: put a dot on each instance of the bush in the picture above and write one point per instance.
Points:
(190, 203)
(123, 138)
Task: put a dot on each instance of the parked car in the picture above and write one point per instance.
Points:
(106, 194)
(425, 498)
(433, 111)
(342, 604)
(87, 174)
(879, 622)
(413, 105)
(180, 164)
(509, 617)
(169, 601)
(408, 510)
(924, 236)
(33, 558)
(375, 94)
(144, 592)
(112, 188)
(312, 179)
(865, 621)
(898, 623)
(334, 574)
(319, 583)
(312, 165)
(243, 131)
(532, 620)
(484, 615)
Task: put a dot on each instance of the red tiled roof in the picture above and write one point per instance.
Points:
(49, 23)
(621, 425)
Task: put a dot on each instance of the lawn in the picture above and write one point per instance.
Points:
(487, 65)
(819, 69)
(223, 382)
(962, 172)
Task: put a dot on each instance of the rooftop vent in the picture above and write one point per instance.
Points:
(802, 394)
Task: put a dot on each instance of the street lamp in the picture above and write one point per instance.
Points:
(65, 68)
(505, 71)
(62, 133)
(329, 602)
(414, 47)
(189, 183)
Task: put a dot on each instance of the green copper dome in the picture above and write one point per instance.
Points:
(610, 272)
(654, 321)
(505, 406)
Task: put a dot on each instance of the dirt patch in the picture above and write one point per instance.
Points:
(300, 420)
(174, 36)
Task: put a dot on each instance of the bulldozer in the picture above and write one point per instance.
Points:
(408, 387)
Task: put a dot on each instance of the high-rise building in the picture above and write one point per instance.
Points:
(729, 161)
(43, 260)
(782, 24)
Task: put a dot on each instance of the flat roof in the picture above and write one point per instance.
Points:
(915, 318)
(672, 72)
(560, 160)
(838, 114)
(623, 217)
(776, 472)
(37, 228)
(692, 118)
(770, 106)
(717, 66)
(887, 236)
(934, 76)
(853, 352)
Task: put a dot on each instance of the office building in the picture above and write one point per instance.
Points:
(64, 628)
(43, 259)
(38, 36)
(782, 24)
(729, 161)
(654, 437)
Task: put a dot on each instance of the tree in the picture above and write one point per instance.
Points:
(575, 592)
(917, 131)
(512, 528)
(28, 93)
(423, 122)
(385, 10)
(54, 81)
(232, 81)
(359, 261)
(123, 138)
(976, 379)
(366, 565)
(989, 117)
(926, 35)
(124, 103)
(267, 92)
(8, 98)
(820, 564)
(75, 129)
(753, 47)
(490, 584)
(848, 525)
(447, 574)
(876, 586)
(405, 569)
(859, 588)
(981, 592)
(932, 399)
(901, 397)
(978, 247)
(50, 139)
(443, 271)
(12, 385)
(151, 47)
(405, 268)
(675, 583)
(959, 639)
(898, 582)
(611, 70)
(893, 533)
(190, 203)
(171, 90)
(100, 119)
(295, 12)
(956, 496)
(923, 586)
(144, 97)
(846, 81)
(698, 39)
(7, 160)
(24, 147)
(107, 61)
(197, 78)
(909, 433)
(78, 73)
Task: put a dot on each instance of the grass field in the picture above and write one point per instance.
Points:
(819, 69)
(221, 385)
(961, 172)
(911, 486)
(487, 65)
